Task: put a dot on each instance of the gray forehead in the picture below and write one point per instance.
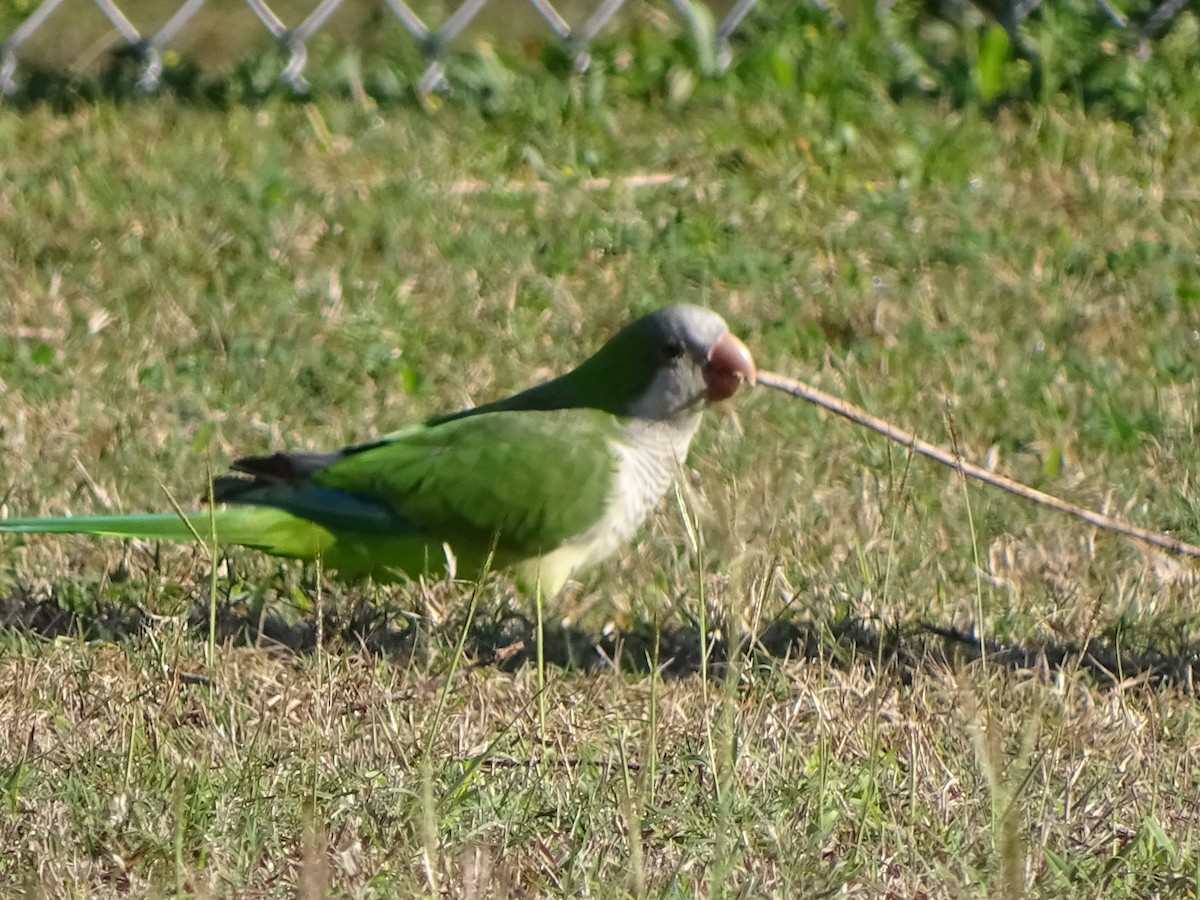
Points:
(695, 325)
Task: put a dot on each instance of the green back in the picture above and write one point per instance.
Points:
(521, 482)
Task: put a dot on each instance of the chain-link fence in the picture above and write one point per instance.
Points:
(432, 40)
(29, 27)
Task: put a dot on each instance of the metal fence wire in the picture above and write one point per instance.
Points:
(710, 32)
(432, 41)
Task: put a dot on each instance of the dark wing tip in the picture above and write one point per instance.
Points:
(228, 488)
(277, 468)
(284, 467)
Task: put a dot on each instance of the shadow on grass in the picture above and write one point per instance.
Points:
(506, 639)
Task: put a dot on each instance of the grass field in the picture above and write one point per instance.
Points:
(186, 280)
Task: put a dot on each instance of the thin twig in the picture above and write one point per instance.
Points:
(907, 439)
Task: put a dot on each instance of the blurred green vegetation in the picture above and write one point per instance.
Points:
(978, 55)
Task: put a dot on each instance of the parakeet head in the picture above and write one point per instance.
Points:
(674, 360)
(668, 364)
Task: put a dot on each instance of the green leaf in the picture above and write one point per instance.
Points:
(989, 67)
(151, 377)
(41, 355)
(1053, 463)
(782, 69)
(1159, 839)
(203, 438)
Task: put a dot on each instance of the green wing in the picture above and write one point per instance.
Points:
(518, 483)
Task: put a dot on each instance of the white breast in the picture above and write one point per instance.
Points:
(648, 456)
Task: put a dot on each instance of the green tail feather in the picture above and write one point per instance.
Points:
(157, 526)
(271, 530)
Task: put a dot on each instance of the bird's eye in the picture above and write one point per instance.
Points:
(673, 349)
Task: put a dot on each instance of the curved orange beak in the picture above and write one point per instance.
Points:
(729, 364)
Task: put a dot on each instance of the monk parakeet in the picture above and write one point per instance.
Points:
(548, 481)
